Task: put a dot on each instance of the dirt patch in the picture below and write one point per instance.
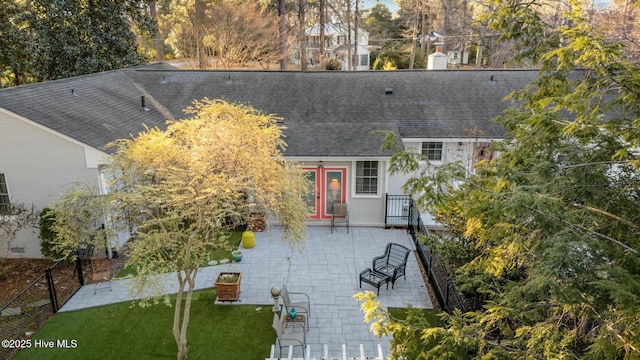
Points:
(16, 274)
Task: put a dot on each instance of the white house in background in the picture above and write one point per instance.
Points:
(54, 133)
(336, 46)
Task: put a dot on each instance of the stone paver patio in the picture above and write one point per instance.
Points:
(326, 269)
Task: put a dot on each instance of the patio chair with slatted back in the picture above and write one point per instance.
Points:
(289, 337)
(339, 213)
(393, 262)
(300, 301)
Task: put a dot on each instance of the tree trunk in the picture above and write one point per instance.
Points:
(180, 330)
(177, 312)
(323, 9)
(157, 40)
(479, 56)
(356, 61)
(349, 52)
(182, 346)
(283, 35)
(303, 37)
(200, 7)
(414, 34)
(447, 8)
(423, 34)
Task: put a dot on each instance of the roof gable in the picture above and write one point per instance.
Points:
(93, 109)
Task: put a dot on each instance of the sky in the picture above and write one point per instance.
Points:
(368, 4)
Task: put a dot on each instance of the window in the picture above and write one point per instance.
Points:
(433, 150)
(364, 60)
(313, 41)
(366, 178)
(5, 204)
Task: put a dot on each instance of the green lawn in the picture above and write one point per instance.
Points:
(126, 331)
(221, 251)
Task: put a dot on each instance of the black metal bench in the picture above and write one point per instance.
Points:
(374, 278)
(393, 263)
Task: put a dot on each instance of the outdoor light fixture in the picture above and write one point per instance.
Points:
(275, 294)
(334, 185)
(334, 188)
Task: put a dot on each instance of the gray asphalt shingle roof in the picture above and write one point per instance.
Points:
(326, 113)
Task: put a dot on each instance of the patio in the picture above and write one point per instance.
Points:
(326, 269)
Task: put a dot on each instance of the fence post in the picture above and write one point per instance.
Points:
(52, 290)
(386, 210)
(79, 270)
(446, 298)
(410, 217)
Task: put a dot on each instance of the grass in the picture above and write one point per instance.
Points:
(221, 251)
(128, 331)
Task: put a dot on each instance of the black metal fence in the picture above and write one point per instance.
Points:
(398, 211)
(401, 212)
(443, 285)
(33, 306)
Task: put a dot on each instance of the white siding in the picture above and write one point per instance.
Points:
(37, 165)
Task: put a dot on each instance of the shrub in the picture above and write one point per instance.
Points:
(333, 64)
(47, 234)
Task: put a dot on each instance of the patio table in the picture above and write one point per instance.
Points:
(374, 278)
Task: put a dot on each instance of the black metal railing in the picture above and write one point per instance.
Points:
(398, 211)
(26, 312)
(402, 212)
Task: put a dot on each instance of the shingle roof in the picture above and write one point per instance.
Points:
(93, 109)
(326, 113)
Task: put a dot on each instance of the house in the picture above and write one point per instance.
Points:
(54, 133)
(337, 44)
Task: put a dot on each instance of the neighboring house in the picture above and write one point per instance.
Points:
(336, 46)
(55, 133)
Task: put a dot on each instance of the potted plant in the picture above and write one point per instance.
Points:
(237, 255)
(228, 285)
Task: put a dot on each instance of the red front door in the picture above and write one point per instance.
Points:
(329, 186)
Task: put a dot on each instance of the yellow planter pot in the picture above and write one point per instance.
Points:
(248, 239)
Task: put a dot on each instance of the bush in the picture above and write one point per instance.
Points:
(333, 64)
(47, 234)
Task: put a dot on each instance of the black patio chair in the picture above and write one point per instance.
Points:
(393, 263)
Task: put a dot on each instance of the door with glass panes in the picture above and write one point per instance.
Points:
(329, 186)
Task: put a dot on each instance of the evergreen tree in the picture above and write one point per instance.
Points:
(553, 220)
(74, 37)
(14, 37)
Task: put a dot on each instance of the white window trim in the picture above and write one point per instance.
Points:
(442, 155)
(377, 195)
(6, 183)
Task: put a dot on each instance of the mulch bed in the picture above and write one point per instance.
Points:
(427, 283)
(22, 272)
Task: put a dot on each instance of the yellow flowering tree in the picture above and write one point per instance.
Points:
(183, 187)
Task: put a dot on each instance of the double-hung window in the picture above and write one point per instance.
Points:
(364, 60)
(367, 178)
(433, 150)
(5, 204)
